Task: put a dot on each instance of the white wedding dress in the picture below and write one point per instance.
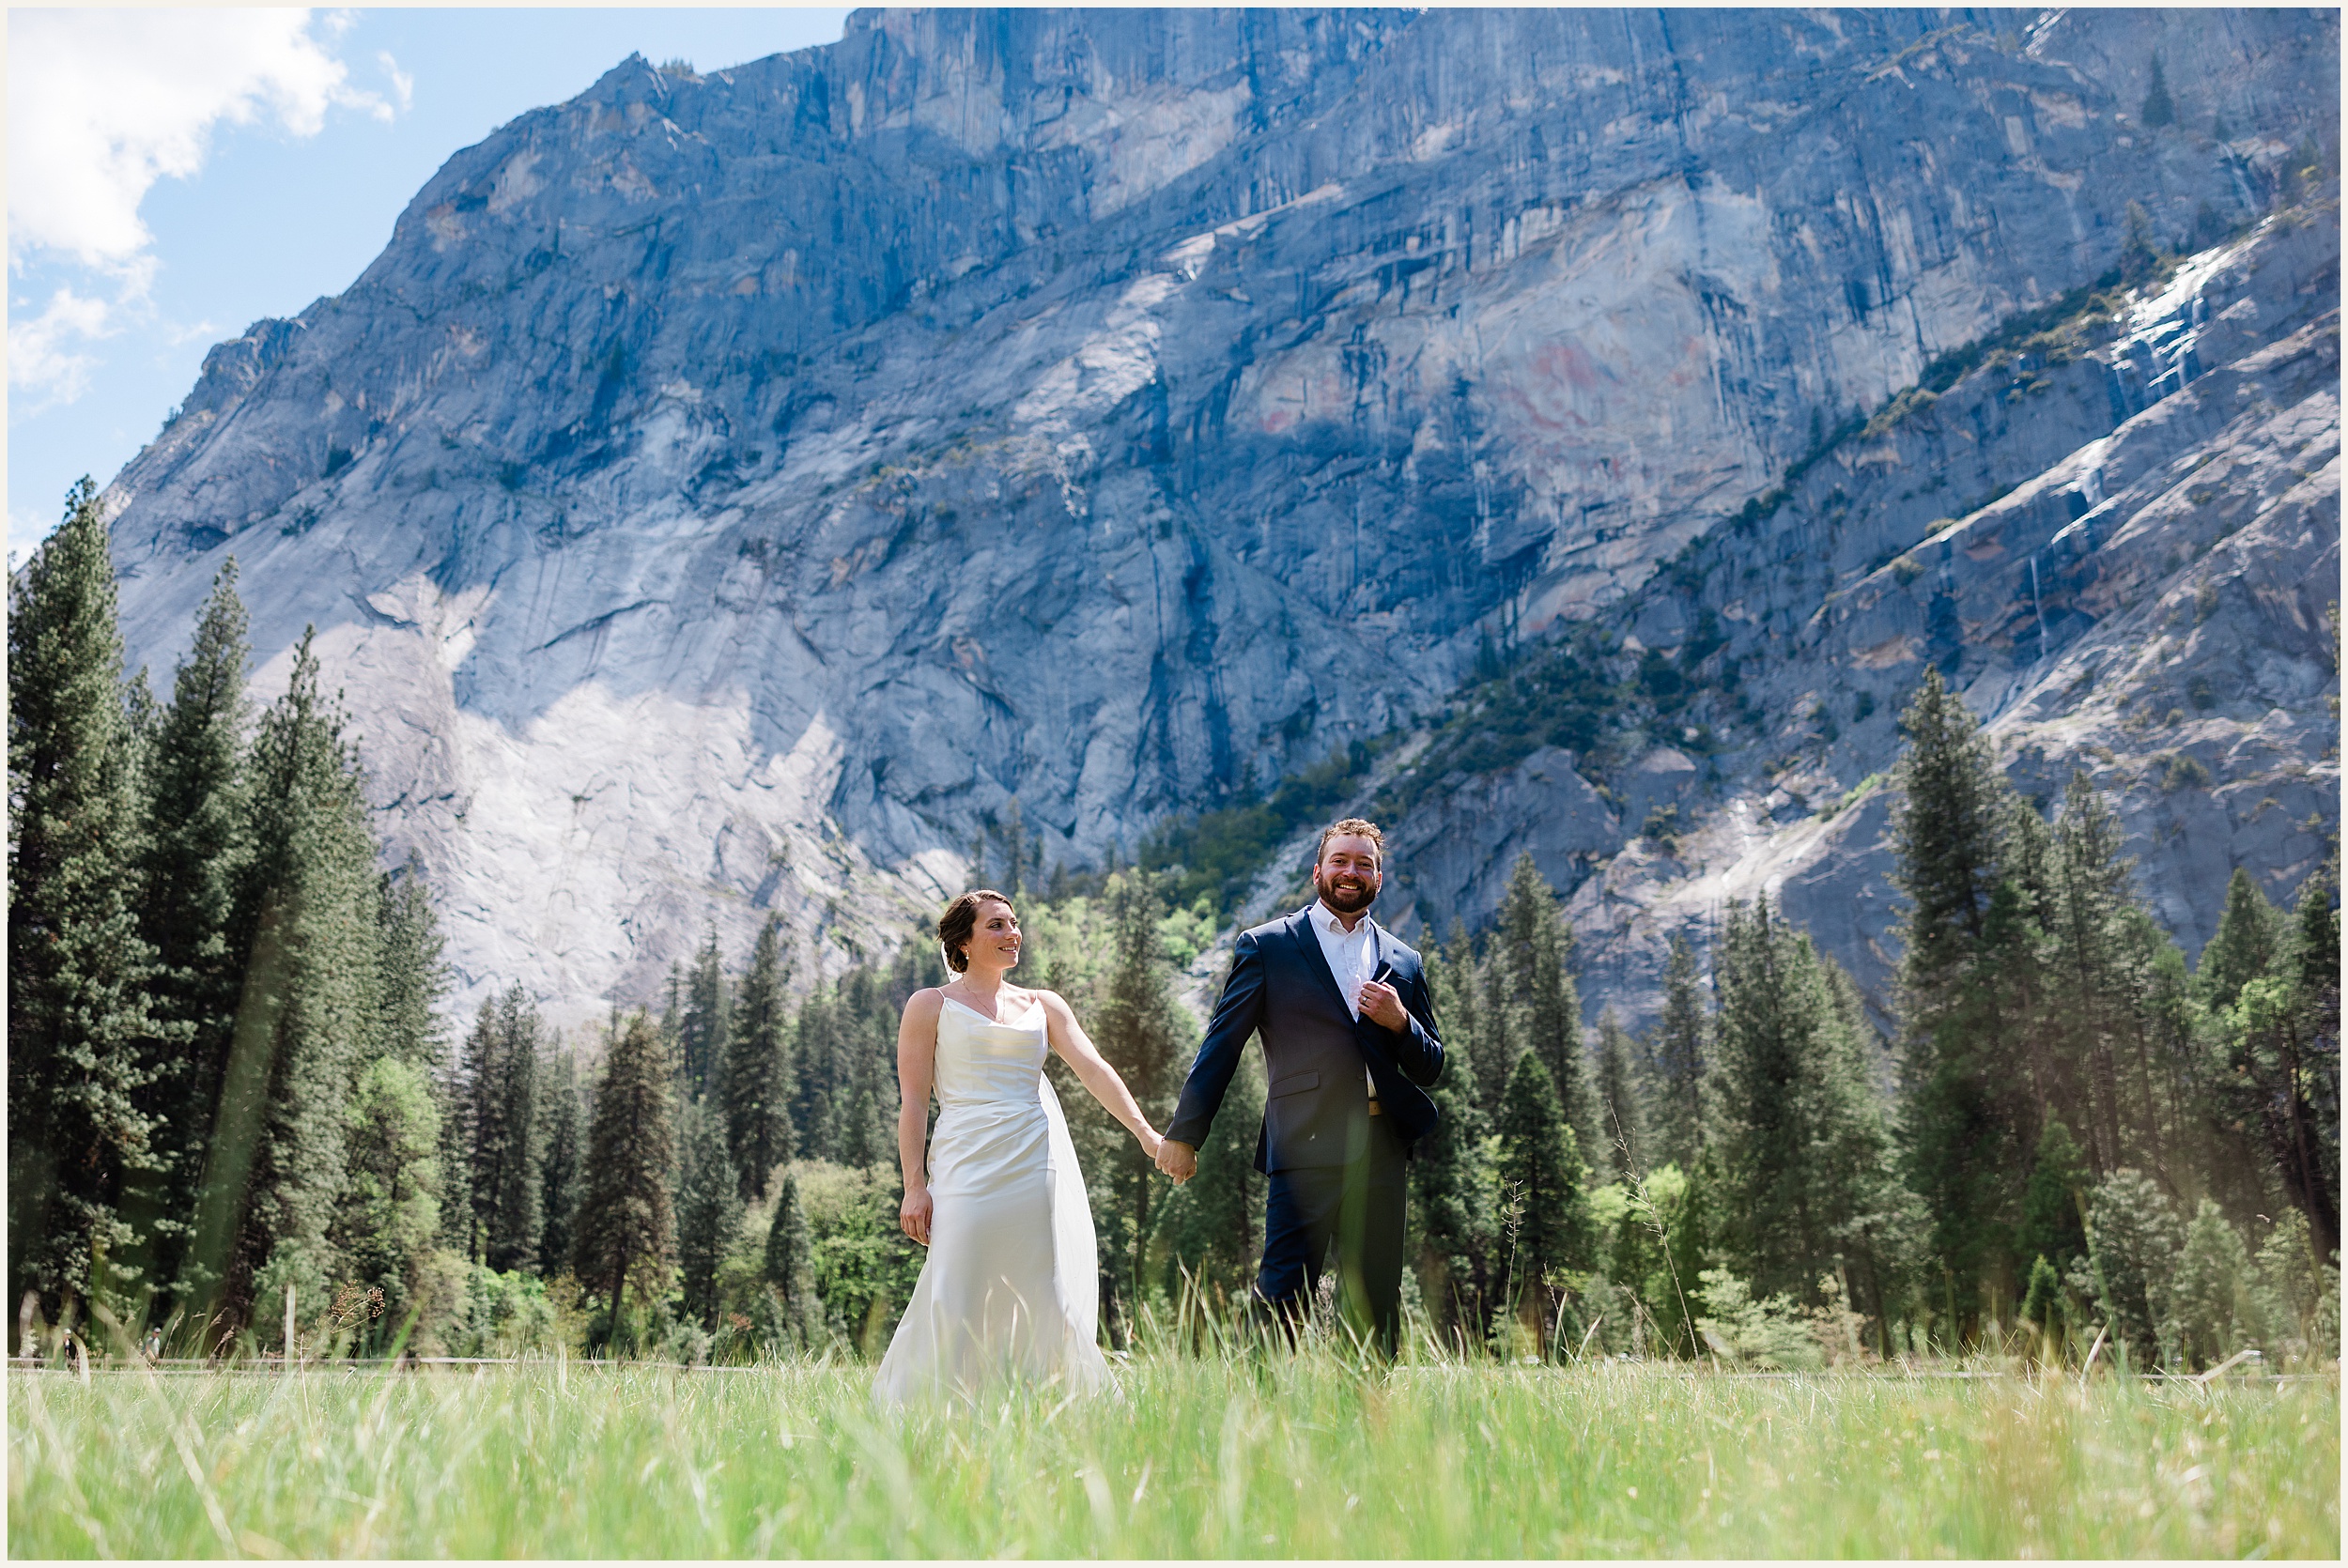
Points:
(1011, 1287)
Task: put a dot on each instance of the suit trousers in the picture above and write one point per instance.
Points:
(1358, 1208)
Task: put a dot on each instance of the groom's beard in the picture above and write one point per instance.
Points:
(1345, 903)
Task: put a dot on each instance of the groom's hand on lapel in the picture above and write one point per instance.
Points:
(1383, 1004)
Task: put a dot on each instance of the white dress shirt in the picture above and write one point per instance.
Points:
(1352, 959)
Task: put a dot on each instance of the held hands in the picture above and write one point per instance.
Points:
(1178, 1159)
(913, 1214)
(1382, 1004)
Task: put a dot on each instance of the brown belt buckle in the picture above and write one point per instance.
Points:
(1374, 1110)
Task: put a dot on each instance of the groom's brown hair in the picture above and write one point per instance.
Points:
(1352, 827)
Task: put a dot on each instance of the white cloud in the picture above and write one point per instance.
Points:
(44, 354)
(103, 104)
(403, 85)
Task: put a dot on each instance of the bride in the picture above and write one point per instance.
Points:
(1010, 1285)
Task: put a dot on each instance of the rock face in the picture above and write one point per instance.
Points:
(2145, 601)
(730, 493)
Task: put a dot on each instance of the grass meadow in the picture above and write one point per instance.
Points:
(1215, 1456)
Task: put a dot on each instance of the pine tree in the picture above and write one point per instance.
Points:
(561, 1141)
(1677, 1054)
(2171, 1035)
(1878, 1224)
(2274, 1067)
(2100, 975)
(1661, 1245)
(1141, 1032)
(2133, 1239)
(1620, 1115)
(627, 1223)
(1767, 1058)
(198, 845)
(2251, 935)
(1531, 949)
(866, 1127)
(702, 1028)
(1452, 1179)
(307, 1021)
(2053, 1227)
(2160, 109)
(2311, 1161)
(1453, 1183)
(815, 1109)
(2300, 1289)
(757, 1084)
(505, 1158)
(387, 1216)
(790, 1270)
(1544, 1177)
(2016, 989)
(512, 1241)
(2315, 936)
(1969, 1100)
(708, 1211)
(413, 976)
(83, 1043)
(1805, 1155)
(1947, 834)
(1493, 1046)
(1452, 974)
(2213, 1295)
(453, 1096)
(2042, 1304)
(672, 1010)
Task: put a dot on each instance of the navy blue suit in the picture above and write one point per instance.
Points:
(1336, 1172)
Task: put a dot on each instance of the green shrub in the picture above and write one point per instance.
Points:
(1215, 855)
(2214, 1297)
(2184, 772)
(1849, 797)
(502, 1315)
(2132, 1244)
(865, 1267)
(2299, 1292)
(1774, 1334)
(1560, 695)
(2064, 319)
(1652, 1240)
(2042, 1305)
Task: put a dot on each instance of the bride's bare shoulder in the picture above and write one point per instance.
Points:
(1051, 1001)
(925, 1003)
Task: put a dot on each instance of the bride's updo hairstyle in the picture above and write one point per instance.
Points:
(954, 927)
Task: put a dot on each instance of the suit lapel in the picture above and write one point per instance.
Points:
(1308, 941)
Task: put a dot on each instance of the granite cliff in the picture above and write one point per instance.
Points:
(2137, 581)
(732, 492)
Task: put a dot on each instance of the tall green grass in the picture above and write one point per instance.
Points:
(1203, 1456)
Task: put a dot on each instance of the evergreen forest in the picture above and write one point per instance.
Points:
(242, 1125)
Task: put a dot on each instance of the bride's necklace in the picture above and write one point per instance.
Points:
(992, 1010)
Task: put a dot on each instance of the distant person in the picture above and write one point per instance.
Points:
(1349, 1044)
(1010, 1288)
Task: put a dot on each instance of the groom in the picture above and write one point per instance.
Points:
(1349, 1044)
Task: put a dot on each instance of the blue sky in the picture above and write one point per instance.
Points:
(174, 176)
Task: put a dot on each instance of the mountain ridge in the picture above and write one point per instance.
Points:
(1198, 393)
